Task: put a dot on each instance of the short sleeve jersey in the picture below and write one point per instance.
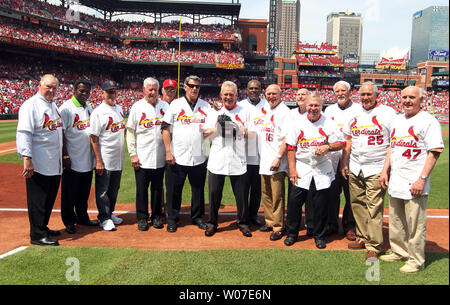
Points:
(370, 131)
(108, 123)
(188, 143)
(76, 123)
(411, 140)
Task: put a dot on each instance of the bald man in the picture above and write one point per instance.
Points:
(416, 144)
(39, 143)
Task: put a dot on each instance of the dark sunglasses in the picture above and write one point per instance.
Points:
(192, 86)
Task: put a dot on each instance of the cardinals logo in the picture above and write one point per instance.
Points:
(52, 125)
(202, 112)
(181, 115)
(353, 124)
(393, 135)
(80, 125)
(322, 133)
(115, 127)
(239, 119)
(411, 132)
(162, 112)
(264, 111)
(300, 136)
(375, 121)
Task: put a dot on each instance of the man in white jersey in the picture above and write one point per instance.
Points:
(227, 131)
(254, 103)
(296, 113)
(416, 144)
(108, 142)
(39, 143)
(341, 112)
(368, 139)
(147, 153)
(186, 152)
(310, 140)
(273, 166)
(78, 158)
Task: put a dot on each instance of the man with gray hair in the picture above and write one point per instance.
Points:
(39, 143)
(227, 131)
(416, 144)
(147, 153)
(341, 112)
(368, 139)
(182, 131)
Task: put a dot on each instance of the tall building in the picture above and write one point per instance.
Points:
(344, 30)
(429, 33)
(287, 27)
(369, 58)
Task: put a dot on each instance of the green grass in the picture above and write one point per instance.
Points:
(102, 266)
(8, 131)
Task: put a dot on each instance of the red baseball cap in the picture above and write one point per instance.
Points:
(169, 83)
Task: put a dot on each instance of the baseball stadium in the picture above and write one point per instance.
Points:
(173, 40)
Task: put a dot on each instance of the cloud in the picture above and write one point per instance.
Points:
(395, 52)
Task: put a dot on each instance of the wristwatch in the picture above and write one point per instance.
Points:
(279, 156)
(423, 177)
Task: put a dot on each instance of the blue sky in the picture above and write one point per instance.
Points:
(387, 23)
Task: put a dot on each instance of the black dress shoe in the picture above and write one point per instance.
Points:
(201, 224)
(290, 240)
(246, 231)
(71, 229)
(45, 241)
(172, 227)
(320, 243)
(143, 225)
(210, 231)
(88, 222)
(157, 223)
(53, 232)
(266, 229)
(256, 221)
(276, 236)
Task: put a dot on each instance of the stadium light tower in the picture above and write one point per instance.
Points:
(272, 42)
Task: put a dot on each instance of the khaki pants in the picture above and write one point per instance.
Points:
(407, 228)
(273, 192)
(367, 199)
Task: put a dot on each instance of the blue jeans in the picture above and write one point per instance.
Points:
(106, 191)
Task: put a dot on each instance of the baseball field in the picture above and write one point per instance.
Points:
(156, 257)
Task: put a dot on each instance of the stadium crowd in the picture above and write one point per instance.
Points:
(125, 29)
(139, 52)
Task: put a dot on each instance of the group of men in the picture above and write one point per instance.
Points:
(257, 142)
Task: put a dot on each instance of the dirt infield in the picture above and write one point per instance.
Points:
(14, 227)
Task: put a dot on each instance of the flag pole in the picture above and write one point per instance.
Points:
(179, 59)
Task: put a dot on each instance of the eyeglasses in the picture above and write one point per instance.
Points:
(192, 86)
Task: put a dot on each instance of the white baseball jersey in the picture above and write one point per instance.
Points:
(108, 123)
(295, 114)
(76, 123)
(40, 123)
(256, 120)
(370, 132)
(188, 143)
(307, 137)
(227, 155)
(411, 140)
(341, 117)
(146, 119)
(273, 132)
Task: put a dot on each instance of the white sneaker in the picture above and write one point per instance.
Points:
(116, 220)
(108, 225)
(392, 257)
(408, 268)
